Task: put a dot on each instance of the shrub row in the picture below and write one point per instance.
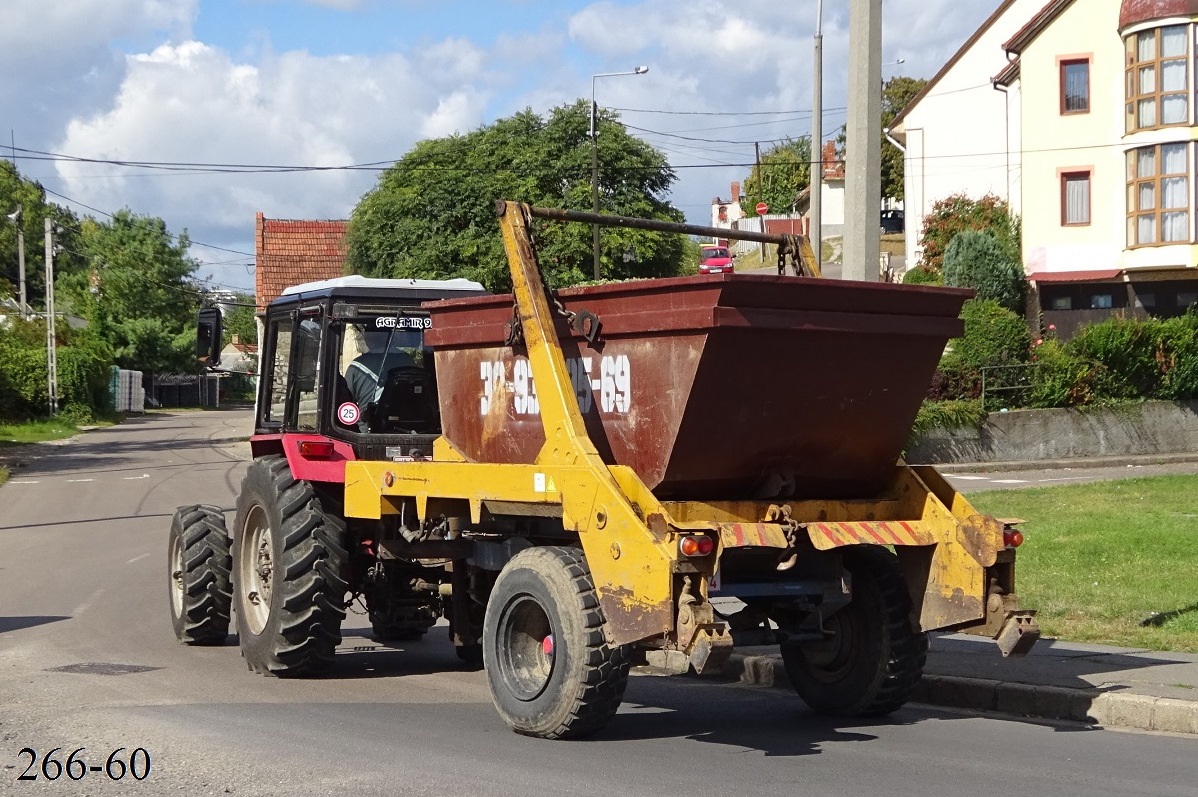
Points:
(82, 365)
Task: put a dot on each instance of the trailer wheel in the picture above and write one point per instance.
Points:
(552, 672)
(288, 558)
(875, 656)
(201, 593)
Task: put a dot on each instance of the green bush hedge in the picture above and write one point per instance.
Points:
(82, 374)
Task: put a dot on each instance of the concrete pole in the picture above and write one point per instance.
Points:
(863, 167)
(817, 140)
(594, 180)
(51, 343)
(21, 266)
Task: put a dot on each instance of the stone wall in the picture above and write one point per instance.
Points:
(1155, 427)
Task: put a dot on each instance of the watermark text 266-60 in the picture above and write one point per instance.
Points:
(117, 765)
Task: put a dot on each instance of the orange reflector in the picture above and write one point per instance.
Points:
(1012, 538)
(316, 449)
(696, 545)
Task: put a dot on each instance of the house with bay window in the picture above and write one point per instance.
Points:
(1099, 118)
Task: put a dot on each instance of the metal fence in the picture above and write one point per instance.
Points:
(1012, 381)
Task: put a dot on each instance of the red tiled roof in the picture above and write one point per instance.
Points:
(290, 252)
(1134, 11)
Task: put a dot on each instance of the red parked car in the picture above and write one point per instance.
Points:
(714, 259)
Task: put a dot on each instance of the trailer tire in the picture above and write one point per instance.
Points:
(552, 672)
(876, 658)
(201, 592)
(288, 558)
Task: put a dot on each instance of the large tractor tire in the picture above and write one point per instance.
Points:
(552, 672)
(875, 656)
(288, 557)
(201, 592)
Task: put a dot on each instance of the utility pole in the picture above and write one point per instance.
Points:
(863, 167)
(51, 345)
(594, 133)
(760, 197)
(817, 141)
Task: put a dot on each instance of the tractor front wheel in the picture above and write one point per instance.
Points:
(199, 564)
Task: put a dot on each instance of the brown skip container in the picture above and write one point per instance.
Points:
(715, 387)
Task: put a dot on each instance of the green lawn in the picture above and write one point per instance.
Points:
(35, 431)
(1113, 562)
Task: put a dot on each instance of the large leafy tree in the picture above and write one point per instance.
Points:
(18, 192)
(432, 215)
(896, 94)
(784, 171)
(138, 292)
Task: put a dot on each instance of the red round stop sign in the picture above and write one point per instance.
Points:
(762, 208)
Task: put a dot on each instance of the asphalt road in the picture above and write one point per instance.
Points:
(87, 659)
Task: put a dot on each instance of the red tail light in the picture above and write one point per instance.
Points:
(316, 449)
(1012, 538)
(696, 545)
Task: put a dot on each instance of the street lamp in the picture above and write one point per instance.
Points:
(640, 70)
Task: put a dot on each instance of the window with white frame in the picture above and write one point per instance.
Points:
(1075, 198)
(1158, 78)
(1158, 195)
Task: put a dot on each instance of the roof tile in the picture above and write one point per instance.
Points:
(290, 252)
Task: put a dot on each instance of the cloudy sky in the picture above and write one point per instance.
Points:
(332, 83)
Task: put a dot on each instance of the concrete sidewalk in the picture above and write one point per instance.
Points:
(1115, 687)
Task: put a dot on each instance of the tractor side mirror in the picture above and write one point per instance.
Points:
(208, 336)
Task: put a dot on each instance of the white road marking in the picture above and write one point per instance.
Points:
(969, 478)
(1009, 481)
(87, 604)
(73, 481)
(133, 478)
(134, 559)
(26, 482)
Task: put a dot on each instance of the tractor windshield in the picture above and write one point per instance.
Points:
(375, 352)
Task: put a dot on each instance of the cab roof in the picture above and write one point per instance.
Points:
(356, 285)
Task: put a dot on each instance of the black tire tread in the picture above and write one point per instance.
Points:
(207, 575)
(597, 694)
(907, 647)
(308, 586)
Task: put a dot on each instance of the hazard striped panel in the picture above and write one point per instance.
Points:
(826, 536)
(746, 535)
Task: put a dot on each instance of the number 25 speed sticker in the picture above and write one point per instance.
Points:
(348, 413)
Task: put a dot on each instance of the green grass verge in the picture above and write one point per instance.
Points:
(36, 431)
(1112, 562)
(3, 475)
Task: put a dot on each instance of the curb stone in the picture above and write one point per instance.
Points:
(1118, 709)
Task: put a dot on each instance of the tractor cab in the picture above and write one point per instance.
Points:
(345, 360)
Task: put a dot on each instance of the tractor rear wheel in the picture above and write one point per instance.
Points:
(288, 557)
(201, 592)
(552, 672)
(874, 657)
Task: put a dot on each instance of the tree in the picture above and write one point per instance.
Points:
(238, 320)
(137, 294)
(30, 197)
(959, 212)
(432, 214)
(974, 259)
(785, 170)
(897, 93)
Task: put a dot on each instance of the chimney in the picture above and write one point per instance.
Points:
(735, 193)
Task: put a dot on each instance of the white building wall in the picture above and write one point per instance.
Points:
(1056, 142)
(958, 136)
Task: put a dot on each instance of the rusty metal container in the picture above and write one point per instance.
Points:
(733, 386)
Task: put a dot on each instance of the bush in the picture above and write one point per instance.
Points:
(921, 276)
(1177, 355)
(1060, 379)
(974, 259)
(994, 336)
(82, 374)
(1125, 354)
(957, 213)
